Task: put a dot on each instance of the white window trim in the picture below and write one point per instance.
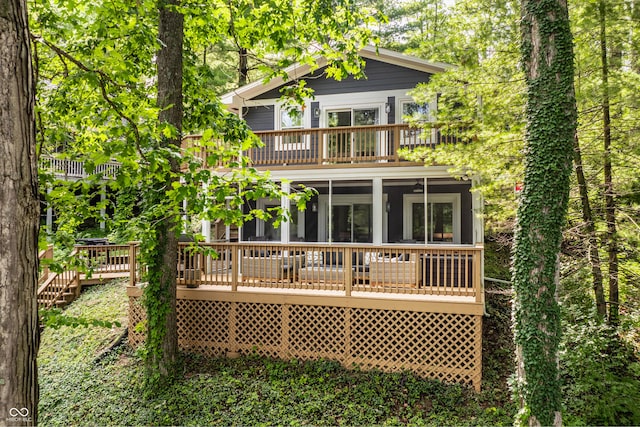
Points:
(347, 199)
(305, 144)
(402, 100)
(375, 103)
(430, 137)
(407, 217)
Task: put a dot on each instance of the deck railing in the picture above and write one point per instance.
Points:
(45, 257)
(56, 287)
(337, 145)
(346, 269)
(76, 169)
(104, 258)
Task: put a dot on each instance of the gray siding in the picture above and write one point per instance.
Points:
(380, 76)
(315, 121)
(259, 118)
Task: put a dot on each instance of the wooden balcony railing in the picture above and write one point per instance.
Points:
(75, 169)
(451, 271)
(337, 145)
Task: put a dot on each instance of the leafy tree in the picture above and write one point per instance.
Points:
(97, 74)
(19, 221)
(485, 95)
(160, 244)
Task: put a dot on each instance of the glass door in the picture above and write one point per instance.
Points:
(442, 217)
(365, 141)
(339, 142)
(346, 145)
(351, 223)
(439, 222)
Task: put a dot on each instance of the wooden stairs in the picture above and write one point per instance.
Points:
(60, 289)
(56, 289)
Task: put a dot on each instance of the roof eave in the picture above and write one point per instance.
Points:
(235, 99)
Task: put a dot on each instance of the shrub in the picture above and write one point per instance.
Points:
(600, 375)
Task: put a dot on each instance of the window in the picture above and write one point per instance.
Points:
(266, 230)
(415, 113)
(443, 218)
(291, 119)
(348, 218)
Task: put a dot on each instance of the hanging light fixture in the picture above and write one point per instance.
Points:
(419, 187)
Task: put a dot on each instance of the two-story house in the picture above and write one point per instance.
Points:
(345, 143)
(383, 269)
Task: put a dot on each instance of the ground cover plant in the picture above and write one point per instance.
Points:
(83, 385)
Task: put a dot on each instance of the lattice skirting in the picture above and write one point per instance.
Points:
(437, 345)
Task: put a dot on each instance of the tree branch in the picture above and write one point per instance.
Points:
(103, 79)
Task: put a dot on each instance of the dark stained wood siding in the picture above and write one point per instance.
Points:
(380, 76)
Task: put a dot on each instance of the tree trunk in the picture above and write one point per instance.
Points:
(547, 55)
(19, 221)
(590, 230)
(160, 294)
(609, 200)
(243, 67)
(634, 50)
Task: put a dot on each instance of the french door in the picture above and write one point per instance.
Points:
(442, 218)
(351, 223)
(348, 145)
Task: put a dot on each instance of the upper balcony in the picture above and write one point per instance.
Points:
(342, 145)
(75, 169)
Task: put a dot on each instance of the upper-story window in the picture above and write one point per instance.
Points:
(292, 120)
(415, 113)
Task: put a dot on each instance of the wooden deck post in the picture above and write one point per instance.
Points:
(235, 267)
(348, 270)
(319, 146)
(232, 351)
(478, 257)
(284, 325)
(395, 143)
(132, 264)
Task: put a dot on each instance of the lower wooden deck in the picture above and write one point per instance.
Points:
(435, 336)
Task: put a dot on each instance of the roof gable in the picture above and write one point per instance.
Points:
(236, 98)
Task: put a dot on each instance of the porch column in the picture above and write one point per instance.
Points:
(476, 204)
(285, 203)
(227, 227)
(378, 210)
(206, 230)
(103, 211)
(185, 219)
(426, 211)
(206, 223)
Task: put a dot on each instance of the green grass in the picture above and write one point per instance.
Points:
(79, 389)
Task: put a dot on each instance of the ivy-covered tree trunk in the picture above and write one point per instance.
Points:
(547, 56)
(19, 222)
(162, 247)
